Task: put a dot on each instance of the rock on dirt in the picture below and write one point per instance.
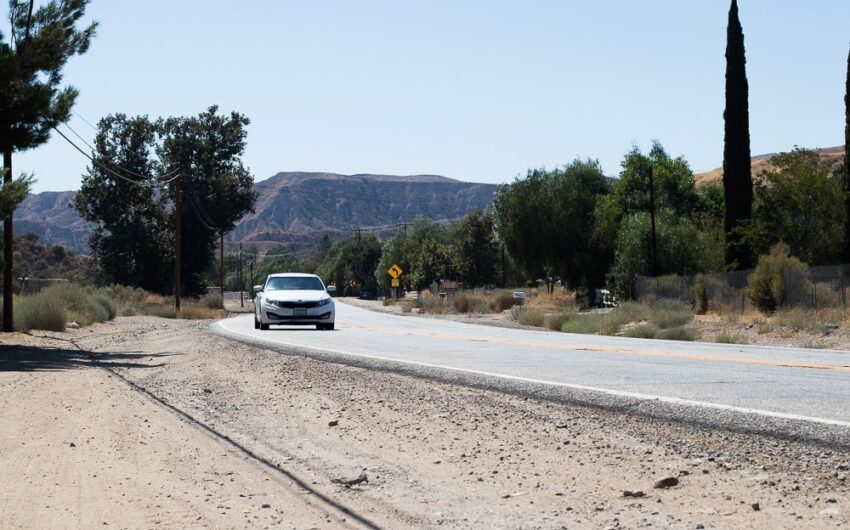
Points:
(350, 479)
(666, 482)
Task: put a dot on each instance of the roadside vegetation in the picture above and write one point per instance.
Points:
(60, 305)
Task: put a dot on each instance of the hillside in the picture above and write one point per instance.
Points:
(39, 261)
(50, 216)
(294, 208)
(297, 208)
(761, 163)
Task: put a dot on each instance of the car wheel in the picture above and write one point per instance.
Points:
(264, 327)
(256, 322)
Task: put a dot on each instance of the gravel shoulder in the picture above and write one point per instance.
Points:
(218, 429)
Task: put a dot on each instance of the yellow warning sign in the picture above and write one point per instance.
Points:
(394, 282)
(395, 271)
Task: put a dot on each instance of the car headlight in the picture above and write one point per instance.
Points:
(324, 302)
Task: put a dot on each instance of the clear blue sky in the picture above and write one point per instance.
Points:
(475, 90)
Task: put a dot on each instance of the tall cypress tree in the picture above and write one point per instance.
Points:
(737, 172)
(847, 163)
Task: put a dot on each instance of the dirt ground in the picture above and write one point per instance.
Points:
(146, 422)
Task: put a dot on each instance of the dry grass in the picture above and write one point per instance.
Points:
(551, 303)
(809, 320)
(56, 306)
(730, 338)
(678, 333)
(463, 302)
(529, 316)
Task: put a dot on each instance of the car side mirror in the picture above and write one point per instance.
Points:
(331, 288)
(258, 289)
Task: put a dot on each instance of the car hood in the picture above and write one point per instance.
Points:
(295, 296)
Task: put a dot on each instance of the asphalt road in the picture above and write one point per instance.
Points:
(788, 391)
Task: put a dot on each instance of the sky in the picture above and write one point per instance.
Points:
(474, 90)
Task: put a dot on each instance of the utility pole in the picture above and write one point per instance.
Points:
(653, 249)
(177, 245)
(504, 271)
(241, 285)
(8, 254)
(252, 276)
(221, 266)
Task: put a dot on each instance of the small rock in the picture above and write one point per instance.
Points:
(666, 482)
(353, 478)
(72, 325)
(333, 423)
(700, 526)
(266, 505)
(207, 391)
(755, 506)
(72, 444)
(831, 500)
(636, 494)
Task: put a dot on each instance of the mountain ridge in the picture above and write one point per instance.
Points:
(294, 208)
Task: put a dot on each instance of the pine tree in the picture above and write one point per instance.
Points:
(737, 172)
(32, 102)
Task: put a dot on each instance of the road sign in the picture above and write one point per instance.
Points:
(395, 271)
(394, 282)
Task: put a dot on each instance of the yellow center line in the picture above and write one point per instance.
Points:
(626, 351)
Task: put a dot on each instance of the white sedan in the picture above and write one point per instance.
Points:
(294, 299)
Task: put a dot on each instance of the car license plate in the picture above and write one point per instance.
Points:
(299, 312)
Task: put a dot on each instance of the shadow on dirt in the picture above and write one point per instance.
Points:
(19, 358)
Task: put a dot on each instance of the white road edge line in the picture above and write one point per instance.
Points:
(616, 393)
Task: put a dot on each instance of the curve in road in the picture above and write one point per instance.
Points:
(791, 392)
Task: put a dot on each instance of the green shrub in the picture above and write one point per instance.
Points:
(778, 279)
(80, 305)
(825, 296)
(556, 321)
(528, 316)
(700, 295)
(670, 314)
(678, 333)
(631, 312)
(588, 324)
(39, 312)
(108, 305)
(642, 331)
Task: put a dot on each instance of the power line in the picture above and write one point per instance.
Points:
(84, 120)
(110, 171)
(198, 213)
(124, 169)
(78, 136)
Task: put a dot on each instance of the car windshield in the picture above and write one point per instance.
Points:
(294, 283)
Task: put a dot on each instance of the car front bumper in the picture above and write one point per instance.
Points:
(272, 314)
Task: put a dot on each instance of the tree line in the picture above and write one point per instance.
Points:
(572, 224)
(129, 194)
